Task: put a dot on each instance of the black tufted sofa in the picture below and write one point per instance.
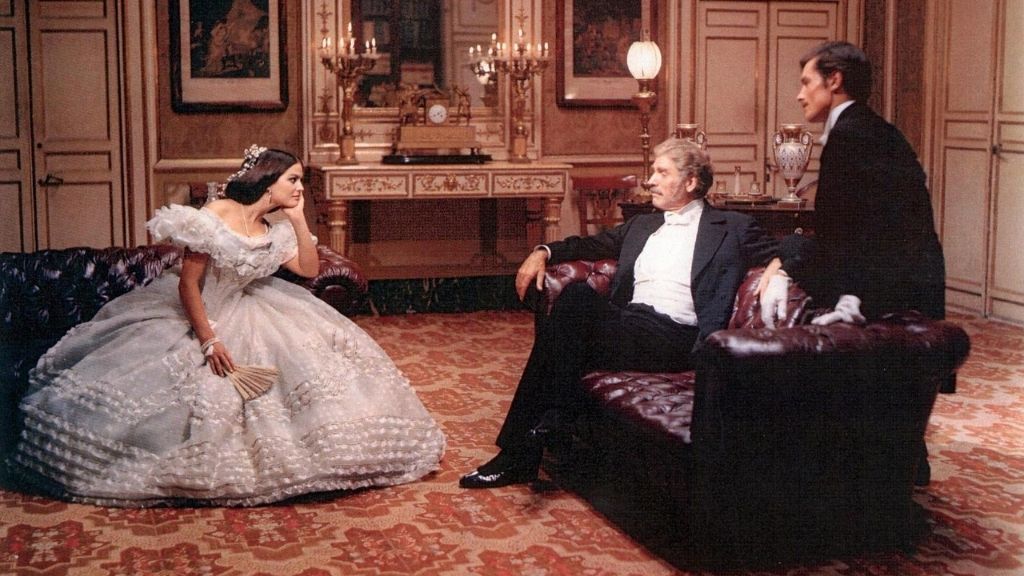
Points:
(44, 294)
(783, 444)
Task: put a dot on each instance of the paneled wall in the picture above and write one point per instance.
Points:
(17, 232)
(979, 153)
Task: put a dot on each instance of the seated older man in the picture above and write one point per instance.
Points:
(678, 272)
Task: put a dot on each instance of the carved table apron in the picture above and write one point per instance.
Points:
(334, 186)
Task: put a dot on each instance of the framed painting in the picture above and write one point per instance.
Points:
(227, 56)
(592, 40)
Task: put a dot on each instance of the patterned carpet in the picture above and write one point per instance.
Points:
(464, 367)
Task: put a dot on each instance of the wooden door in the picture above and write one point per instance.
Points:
(730, 99)
(748, 73)
(1006, 293)
(77, 139)
(793, 29)
(979, 145)
(964, 136)
(17, 232)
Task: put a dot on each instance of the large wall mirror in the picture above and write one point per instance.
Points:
(426, 43)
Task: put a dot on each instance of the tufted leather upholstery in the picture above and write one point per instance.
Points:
(44, 294)
(789, 441)
(660, 403)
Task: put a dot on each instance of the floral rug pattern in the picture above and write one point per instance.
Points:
(465, 367)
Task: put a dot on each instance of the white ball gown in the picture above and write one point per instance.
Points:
(124, 412)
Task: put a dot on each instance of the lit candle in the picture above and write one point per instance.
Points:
(373, 44)
(325, 47)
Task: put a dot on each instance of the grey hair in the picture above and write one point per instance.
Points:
(689, 159)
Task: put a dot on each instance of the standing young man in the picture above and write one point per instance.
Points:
(874, 248)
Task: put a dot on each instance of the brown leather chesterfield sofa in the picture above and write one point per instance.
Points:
(782, 444)
(44, 294)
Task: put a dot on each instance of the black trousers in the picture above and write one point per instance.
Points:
(585, 332)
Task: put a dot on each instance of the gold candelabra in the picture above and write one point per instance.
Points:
(520, 65)
(347, 67)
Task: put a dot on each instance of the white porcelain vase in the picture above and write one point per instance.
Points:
(792, 146)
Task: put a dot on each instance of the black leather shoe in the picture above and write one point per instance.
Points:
(502, 470)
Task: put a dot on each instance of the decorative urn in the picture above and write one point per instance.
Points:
(792, 146)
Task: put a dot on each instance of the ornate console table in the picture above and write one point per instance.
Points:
(335, 186)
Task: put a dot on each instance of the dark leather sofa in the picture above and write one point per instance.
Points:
(44, 294)
(783, 444)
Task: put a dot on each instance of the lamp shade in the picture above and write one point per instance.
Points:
(644, 60)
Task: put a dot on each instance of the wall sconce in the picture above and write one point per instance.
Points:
(520, 64)
(644, 62)
(347, 66)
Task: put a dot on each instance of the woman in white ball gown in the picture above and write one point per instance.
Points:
(137, 407)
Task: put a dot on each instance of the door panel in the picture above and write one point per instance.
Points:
(730, 96)
(1007, 279)
(17, 232)
(794, 28)
(748, 56)
(77, 132)
(965, 257)
(964, 153)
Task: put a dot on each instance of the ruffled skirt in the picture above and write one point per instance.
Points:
(124, 412)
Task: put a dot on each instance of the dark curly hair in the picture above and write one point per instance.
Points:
(250, 184)
(846, 58)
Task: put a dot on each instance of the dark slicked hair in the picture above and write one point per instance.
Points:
(251, 184)
(848, 59)
(690, 160)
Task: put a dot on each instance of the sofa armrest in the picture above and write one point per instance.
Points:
(747, 307)
(816, 428)
(598, 274)
(341, 282)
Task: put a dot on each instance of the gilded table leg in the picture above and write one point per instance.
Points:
(337, 223)
(552, 215)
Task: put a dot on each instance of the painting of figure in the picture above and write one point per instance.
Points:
(229, 38)
(227, 55)
(602, 34)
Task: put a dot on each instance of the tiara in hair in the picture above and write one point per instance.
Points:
(252, 154)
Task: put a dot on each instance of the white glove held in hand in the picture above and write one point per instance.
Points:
(846, 310)
(773, 300)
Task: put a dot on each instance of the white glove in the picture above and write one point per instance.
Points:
(846, 310)
(773, 300)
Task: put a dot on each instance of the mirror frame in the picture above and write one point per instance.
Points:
(459, 27)
(374, 127)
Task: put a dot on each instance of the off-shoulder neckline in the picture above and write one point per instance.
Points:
(224, 225)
